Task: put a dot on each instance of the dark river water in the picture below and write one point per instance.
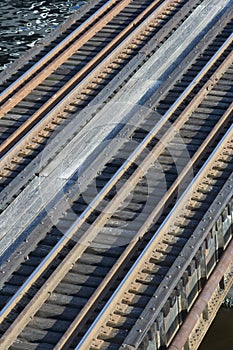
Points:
(22, 23)
(220, 334)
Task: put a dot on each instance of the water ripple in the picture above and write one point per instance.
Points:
(24, 22)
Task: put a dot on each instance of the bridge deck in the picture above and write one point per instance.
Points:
(116, 202)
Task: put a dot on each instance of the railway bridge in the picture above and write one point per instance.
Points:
(116, 204)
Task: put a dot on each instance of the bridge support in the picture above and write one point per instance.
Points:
(205, 308)
(228, 301)
(190, 309)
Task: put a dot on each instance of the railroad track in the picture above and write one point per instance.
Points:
(39, 106)
(71, 61)
(192, 64)
(142, 295)
(69, 274)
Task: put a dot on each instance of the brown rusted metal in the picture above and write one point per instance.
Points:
(88, 237)
(62, 57)
(28, 124)
(148, 252)
(146, 163)
(202, 301)
(44, 121)
(128, 251)
(51, 284)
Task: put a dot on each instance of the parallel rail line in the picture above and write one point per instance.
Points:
(37, 138)
(21, 154)
(75, 74)
(103, 15)
(91, 231)
(111, 322)
(65, 288)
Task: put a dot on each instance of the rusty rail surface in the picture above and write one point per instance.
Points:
(81, 78)
(134, 338)
(28, 138)
(90, 234)
(83, 33)
(29, 123)
(155, 153)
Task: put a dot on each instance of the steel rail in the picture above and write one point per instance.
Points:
(63, 56)
(196, 240)
(13, 138)
(160, 35)
(22, 143)
(148, 222)
(96, 201)
(83, 243)
(136, 176)
(55, 51)
(179, 207)
(44, 121)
